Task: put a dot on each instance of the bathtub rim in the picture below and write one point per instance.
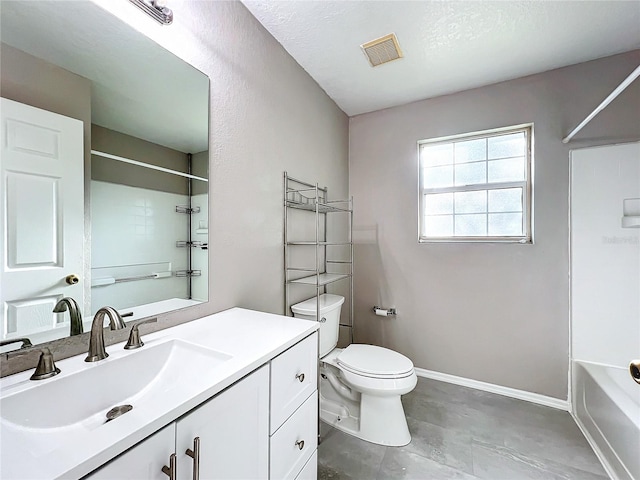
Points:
(625, 402)
(609, 468)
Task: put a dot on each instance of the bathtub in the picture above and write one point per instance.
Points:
(606, 406)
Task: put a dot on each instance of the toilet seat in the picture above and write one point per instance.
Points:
(375, 362)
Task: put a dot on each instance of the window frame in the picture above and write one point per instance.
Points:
(526, 184)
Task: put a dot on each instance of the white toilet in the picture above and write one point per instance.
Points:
(360, 386)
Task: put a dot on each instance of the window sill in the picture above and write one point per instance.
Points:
(512, 240)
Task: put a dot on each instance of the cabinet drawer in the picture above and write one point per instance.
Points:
(288, 454)
(310, 470)
(288, 387)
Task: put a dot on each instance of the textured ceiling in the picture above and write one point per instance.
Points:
(449, 46)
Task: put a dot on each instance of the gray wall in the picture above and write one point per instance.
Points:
(496, 313)
(200, 168)
(117, 143)
(267, 116)
(32, 81)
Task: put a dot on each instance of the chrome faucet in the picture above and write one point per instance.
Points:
(74, 313)
(134, 337)
(46, 366)
(97, 351)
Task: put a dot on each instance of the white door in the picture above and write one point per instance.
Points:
(42, 205)
(233, 428)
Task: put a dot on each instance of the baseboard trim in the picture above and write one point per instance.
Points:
(498, 389)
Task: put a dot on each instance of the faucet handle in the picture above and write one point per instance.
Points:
(46, 366)
(134, 337)
(26, 343)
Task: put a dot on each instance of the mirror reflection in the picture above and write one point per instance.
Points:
(104, 168)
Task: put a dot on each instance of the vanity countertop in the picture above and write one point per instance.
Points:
(250, 338)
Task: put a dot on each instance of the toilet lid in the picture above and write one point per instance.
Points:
(372, 360)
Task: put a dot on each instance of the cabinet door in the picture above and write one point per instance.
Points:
(144, 461)
(233, 428)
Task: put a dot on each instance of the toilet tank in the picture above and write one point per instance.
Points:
(330, 306)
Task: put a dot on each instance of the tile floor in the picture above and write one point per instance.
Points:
(462, 433)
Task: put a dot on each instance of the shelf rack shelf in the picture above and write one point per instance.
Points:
(322, 207)
(319, 243)
(321, 279)
(301, 195)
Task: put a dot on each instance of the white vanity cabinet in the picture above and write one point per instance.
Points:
(233, 432)
(262, 427)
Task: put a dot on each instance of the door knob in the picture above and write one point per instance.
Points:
(634, 370)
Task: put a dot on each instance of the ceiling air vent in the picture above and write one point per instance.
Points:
(382, 50)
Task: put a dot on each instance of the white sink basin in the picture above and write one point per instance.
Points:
(149, 378)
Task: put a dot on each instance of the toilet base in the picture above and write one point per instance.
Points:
(376, 419)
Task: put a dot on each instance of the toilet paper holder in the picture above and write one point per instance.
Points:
(384, 312)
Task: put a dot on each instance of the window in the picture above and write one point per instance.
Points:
(477, 187)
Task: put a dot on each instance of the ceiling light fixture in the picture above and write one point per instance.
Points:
(157, 9)
(382, 50)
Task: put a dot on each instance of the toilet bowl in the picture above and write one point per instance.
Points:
(360, 385)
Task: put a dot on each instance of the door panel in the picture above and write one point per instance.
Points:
(32, 232)
(42, 205)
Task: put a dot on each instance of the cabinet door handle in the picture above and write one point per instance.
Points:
(195, 454)
(170, 471)
(300, 377)
(300, 444)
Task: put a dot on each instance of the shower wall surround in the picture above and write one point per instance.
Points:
(125, 222)
(605, 258)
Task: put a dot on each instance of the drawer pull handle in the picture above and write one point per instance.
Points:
(195, 454)
(300, 377)
(300, 444)
(170, 471)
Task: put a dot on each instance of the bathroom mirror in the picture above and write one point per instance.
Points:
(139, 237)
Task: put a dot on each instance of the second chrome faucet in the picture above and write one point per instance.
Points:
(97, 351)
(68, 303)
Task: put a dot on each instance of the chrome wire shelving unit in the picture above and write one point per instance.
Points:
(327, 269)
